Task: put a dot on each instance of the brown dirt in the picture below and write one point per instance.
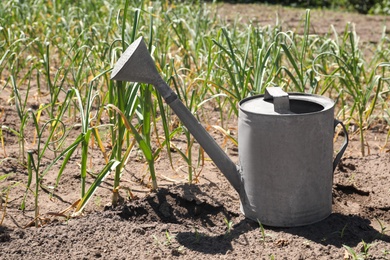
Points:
(189, 221)
(369, 28)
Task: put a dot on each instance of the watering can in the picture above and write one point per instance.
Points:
(285, 142)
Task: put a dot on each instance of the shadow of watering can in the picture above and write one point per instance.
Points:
(285, 174)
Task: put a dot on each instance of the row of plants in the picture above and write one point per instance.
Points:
(55, 65)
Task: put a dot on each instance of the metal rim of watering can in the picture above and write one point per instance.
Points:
(324, 102)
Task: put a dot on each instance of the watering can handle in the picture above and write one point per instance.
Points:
(280, 99)
(343, 147)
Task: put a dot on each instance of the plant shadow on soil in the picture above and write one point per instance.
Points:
(320, 233)
(189, 206)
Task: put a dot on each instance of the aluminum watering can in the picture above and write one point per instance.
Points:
(285, 174)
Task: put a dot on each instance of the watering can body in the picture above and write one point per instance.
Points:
(286, 159)
(285, 146)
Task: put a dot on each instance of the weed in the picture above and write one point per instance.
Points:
(156, 240)
(342, 231)
(98, 201)
(365, 248)
(363, 254)
(229, 225)
(383, 227)
(4, 196)
(353, 253)
(169, 237)
(264, 235)
(197, 235)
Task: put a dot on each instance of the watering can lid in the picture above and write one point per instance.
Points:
(277, 102)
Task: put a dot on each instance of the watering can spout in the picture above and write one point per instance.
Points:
(136, 65)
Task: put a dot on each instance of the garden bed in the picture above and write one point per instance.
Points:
(202, 219)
